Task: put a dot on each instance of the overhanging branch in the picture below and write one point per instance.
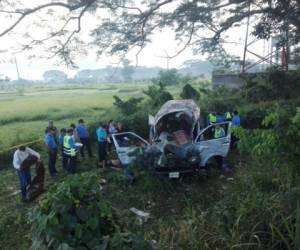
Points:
(28, 12)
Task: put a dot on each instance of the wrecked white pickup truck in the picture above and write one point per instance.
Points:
(177, 145)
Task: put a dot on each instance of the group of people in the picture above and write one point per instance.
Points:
(76, 139)
(215, 118)
(69, 143)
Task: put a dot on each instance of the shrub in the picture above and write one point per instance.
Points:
(75, 216)
(168, 77)
(157, 95)
(188, 92)
(127, 107)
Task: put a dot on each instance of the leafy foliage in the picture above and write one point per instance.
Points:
(158, 95)
(75, 216)
(188, 92)
(167, 77)
(132, 24)
(127, 107)
(274, 84)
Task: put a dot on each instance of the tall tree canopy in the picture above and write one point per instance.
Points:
(121, 26)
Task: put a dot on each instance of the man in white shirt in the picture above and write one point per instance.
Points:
(24, 174)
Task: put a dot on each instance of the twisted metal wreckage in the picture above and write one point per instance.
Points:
(177, 143)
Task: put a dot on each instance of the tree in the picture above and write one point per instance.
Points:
(188, 92)
(127, 70)
(127, 107)
(132, 24)
(55, 76)
(158, 95)
(168, 77)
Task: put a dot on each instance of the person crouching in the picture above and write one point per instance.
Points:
(23, 172)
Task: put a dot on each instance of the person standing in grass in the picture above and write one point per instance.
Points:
(119, 128)
(219, 133)
(102, 138)
(236, 122)
(70, 151)
(50, 126)
(52, 150)
(75, 134)
(63, 132)
(24, 173)
(83, 135)
(111, 130)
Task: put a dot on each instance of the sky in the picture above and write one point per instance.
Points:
(153, 55)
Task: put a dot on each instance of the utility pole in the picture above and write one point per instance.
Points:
(17, 68)
(287, 52)
(246, 40)
(167, 58)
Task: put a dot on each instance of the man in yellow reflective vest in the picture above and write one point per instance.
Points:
(219, 133)
(227, 116)
(70, 151)
(212, 118)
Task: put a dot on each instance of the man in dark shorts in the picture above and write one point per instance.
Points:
(102, 137)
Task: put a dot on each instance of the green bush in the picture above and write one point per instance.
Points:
(188, 92)
(167, 77)
(127, 107)
(74, 215)
(275, 84)
(136, 122)
(157, 95)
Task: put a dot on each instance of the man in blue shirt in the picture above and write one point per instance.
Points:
(102, 138)
(219, 118)
(61, 137)
(83, 135)
(236, 120)
(52, 150)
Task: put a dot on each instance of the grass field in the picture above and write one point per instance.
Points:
(23, 118)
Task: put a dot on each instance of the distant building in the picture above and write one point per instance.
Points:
(229, 80)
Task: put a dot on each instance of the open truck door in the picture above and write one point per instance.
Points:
(209, 146)
(126, 143)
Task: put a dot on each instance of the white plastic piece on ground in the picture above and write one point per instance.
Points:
(221, 176)
(103, 181)
(15, 193)
(230, 179)
(141, 215)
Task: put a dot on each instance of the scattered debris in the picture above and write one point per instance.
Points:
(15, 193)
(141, 215)
(154, 245)
(103, 181)
(150, 204)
